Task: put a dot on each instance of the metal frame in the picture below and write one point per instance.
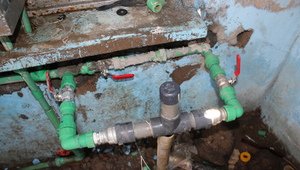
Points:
(10, 16)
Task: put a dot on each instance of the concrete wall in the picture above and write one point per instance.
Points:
(102, 103)
(280, 108)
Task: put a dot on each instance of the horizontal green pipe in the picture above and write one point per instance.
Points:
(41, 74)
(37, 166)
(38, 94)
(79, 155)
(36, 76)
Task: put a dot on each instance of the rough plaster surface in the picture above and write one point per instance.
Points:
(122, 62)
(281, 109)
(275, 30)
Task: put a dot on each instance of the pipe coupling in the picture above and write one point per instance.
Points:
(216, 115)
(221, 81)
(105, 136)
(67, 94)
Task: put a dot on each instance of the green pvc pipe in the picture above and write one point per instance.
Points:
(79, 155)
(7, 44)
(26, 21)
(36, 76)
(41, 74)
(37, 166)
(233, 107)
(155, 5)
(38, 94)
(68, 126)
(67, 129)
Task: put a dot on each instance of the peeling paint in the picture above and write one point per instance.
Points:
(270, 5)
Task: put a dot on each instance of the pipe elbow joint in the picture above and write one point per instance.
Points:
(233, 111)
(65, 144)
(78, 141)
(233, 107)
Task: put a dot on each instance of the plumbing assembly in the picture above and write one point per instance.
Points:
(171, 121)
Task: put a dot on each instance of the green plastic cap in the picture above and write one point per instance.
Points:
(155, 5)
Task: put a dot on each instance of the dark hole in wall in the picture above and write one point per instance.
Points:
(211, 38)
(243, 38)
(23, 116)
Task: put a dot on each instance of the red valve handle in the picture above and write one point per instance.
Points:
(124, 76)
(238, 65)
(49, 82)
(63, 152)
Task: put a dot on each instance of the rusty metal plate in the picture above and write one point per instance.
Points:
(46, 7)
(10, 12)
(89, 33)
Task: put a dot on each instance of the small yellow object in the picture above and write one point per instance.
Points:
(245, 156)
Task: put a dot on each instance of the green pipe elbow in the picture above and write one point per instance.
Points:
(78, 141)
(67, 130)
(155, 5)
(233, 107)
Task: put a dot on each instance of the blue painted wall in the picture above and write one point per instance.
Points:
(281, 109)
(275, 26)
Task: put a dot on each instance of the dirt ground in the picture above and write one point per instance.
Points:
(214, 147)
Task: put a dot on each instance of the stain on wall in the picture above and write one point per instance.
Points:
(181, 74)
(270, 5)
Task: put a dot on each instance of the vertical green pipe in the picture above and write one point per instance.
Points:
(26, 21)
(233, 107)
(38, 94)
(37, 166)
(6, 43)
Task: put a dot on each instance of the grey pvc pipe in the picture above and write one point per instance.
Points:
(169, 111)
(142, 130)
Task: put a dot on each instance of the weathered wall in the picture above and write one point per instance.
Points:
(102, 103)
(281, 109)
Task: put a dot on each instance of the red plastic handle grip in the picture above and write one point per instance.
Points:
(125, 76)
(238, 65)
(49, 82)
(63, 152)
